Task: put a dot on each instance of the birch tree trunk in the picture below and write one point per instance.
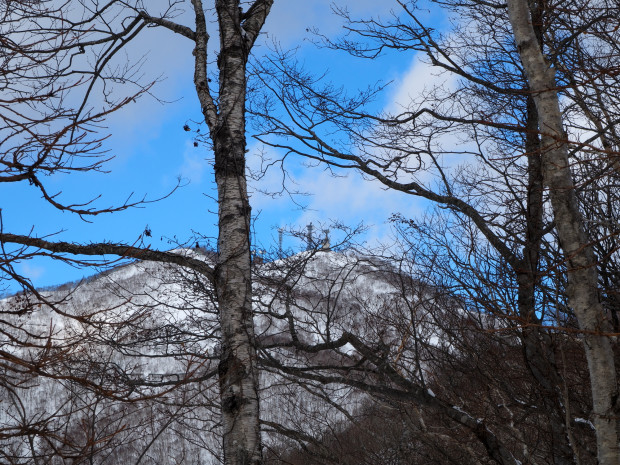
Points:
(583, 295)
(238, 375)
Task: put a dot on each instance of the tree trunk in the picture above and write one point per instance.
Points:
(238, 374)
(583, 296)
(237, 370)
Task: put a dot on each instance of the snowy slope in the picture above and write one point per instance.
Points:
(147, 333)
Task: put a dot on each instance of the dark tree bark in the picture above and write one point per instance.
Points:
(537, 344)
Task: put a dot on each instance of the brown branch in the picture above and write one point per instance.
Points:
(105, 248)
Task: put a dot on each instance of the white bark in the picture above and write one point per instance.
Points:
(238, 375)
(583, 296)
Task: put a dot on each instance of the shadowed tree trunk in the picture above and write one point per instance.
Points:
(537, 343)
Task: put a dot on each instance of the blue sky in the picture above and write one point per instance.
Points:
(151, 151)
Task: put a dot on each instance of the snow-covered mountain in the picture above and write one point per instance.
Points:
(360, 362)
(122, 366)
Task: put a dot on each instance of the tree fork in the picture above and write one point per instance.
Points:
(238, 372)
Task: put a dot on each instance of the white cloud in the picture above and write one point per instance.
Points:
(289, 20)
(31, 272)
(346, 198)
(416, 83)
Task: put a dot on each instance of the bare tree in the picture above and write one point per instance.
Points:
(48, 125)
(331, 339)
(510, 262)
(582, 288)
(498, 196)
(238, 31)
(223, 108)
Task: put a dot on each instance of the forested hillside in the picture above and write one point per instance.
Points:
(361, 363)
